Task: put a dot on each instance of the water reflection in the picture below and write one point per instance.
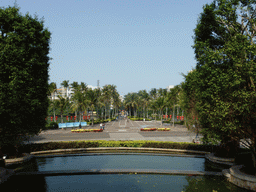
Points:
(121, 182)
(210, 183)
(118, 182)
(122, 162)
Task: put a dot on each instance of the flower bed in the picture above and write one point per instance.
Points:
(85, 130)
(163, 129)
(155, 129)
(148, 129)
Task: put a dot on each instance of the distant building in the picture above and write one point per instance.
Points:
(121, 97)
(67, 92)
(169, 87)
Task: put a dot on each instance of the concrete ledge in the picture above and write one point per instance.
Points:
(20, 160)
(120, 148)
(118, 171)
(226, 173)
(241, 179)
(219, 160)
(6, 173)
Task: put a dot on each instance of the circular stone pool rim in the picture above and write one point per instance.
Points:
(104, 151)
(139, 149)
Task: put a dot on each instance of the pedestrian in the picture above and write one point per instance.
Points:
(103, 126)
(100, 125)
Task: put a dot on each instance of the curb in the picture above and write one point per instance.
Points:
(118, 171)
(119, 148)
(5, 173)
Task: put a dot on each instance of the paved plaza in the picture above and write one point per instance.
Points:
(120, 130)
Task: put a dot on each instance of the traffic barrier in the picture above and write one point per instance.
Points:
(75, 124)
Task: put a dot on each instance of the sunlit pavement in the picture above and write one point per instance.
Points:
(120, 130)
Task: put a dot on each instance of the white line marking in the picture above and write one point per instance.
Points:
(131, 123)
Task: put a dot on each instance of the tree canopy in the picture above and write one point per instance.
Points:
(221, 89)
(24, 63)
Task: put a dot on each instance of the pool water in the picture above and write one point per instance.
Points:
(103, 161)
(118, 182)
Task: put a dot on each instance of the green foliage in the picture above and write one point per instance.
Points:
(52, 125)
(221, 90)
(103, 143)
(24, 63)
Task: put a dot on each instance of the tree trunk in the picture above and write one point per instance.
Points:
(54, 114)
(173, 114)
(105, 112)
(147, 113)
(144, 112)
(75, 115)
(161, 117)
(61, 118)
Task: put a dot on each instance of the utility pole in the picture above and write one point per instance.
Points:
(98, 83)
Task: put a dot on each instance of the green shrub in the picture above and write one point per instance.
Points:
(102, 143)
(52, 125)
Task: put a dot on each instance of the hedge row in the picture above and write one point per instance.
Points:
(103, 143)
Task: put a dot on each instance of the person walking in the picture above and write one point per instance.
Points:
(100, 125)
(103, 126)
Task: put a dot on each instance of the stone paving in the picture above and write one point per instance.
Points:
(120, 130)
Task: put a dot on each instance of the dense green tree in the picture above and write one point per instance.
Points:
(53, 89)
(225, 72)
(80, 101)
(65, 85)
(62, 103)
(106, 94)
(24, 61)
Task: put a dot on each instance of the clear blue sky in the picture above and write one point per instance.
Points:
(133, 44)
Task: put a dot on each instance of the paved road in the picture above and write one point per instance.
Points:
(120, 130)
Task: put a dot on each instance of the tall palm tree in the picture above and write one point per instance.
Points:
(75, 87)
(114, 96)
(106, 93)
(94, 99)
(153, 96)
(80, 101)
(117, 102)
(160, 104)
(144, 98)
(134, 103)
(53, 90)
(84, 86)
(61, 104)
(127, 99)
(65, 85)
(98, 96)
(153, 93)
(163, 93)
(153, 107)
(172, 97)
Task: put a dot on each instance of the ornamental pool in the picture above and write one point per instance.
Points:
(118, 182)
